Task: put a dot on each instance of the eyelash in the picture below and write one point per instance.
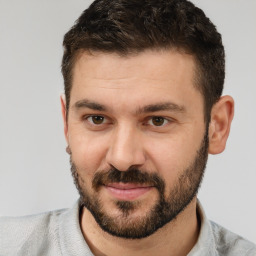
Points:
(149, 119)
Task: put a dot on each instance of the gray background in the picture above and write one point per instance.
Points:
(34, 173)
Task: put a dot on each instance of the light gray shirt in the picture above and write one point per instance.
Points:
(58, 233)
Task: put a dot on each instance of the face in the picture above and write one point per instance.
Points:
(137, 138)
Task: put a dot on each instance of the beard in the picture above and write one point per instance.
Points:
(164, 210)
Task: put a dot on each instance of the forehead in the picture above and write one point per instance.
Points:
(98, 64)
(147, 77)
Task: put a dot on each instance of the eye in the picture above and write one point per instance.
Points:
(158, 121)
(96, 120)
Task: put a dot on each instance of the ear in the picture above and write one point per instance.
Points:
(64, 115)
(221, 117)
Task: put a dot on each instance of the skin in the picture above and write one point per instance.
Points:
(128, 137)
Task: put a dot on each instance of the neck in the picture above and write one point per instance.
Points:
(176, 238)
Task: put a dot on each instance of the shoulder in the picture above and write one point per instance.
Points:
(34, 232)
(229, 243)
(216, 240)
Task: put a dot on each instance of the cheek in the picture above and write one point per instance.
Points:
(87, 150)
(172, 156)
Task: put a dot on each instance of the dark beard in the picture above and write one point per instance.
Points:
(164, 210)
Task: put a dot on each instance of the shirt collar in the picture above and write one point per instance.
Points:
(205, 244)
(72, 242)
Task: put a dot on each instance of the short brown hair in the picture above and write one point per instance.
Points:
(132, 26)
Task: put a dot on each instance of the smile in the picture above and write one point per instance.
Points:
(127, 191)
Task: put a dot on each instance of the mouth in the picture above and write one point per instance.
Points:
(127, 191)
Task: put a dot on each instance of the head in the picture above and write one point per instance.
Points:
(129, 27)
(143, 107)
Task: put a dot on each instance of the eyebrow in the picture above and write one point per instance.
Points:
(89, 104)
(165, 106)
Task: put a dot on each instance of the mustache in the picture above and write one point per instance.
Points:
(132, 175)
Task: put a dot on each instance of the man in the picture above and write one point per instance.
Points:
(142, 110)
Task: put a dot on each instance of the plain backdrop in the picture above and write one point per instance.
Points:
(35, 174)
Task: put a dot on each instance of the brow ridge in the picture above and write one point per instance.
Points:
(163, 106)
(89, 104)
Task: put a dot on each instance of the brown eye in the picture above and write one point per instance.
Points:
(96, 119)
(158, 121)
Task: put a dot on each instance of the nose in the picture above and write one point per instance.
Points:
(125, 149)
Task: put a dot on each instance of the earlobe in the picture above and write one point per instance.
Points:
(221, 117)
(64, 115)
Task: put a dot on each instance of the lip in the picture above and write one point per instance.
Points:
(127, 191)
